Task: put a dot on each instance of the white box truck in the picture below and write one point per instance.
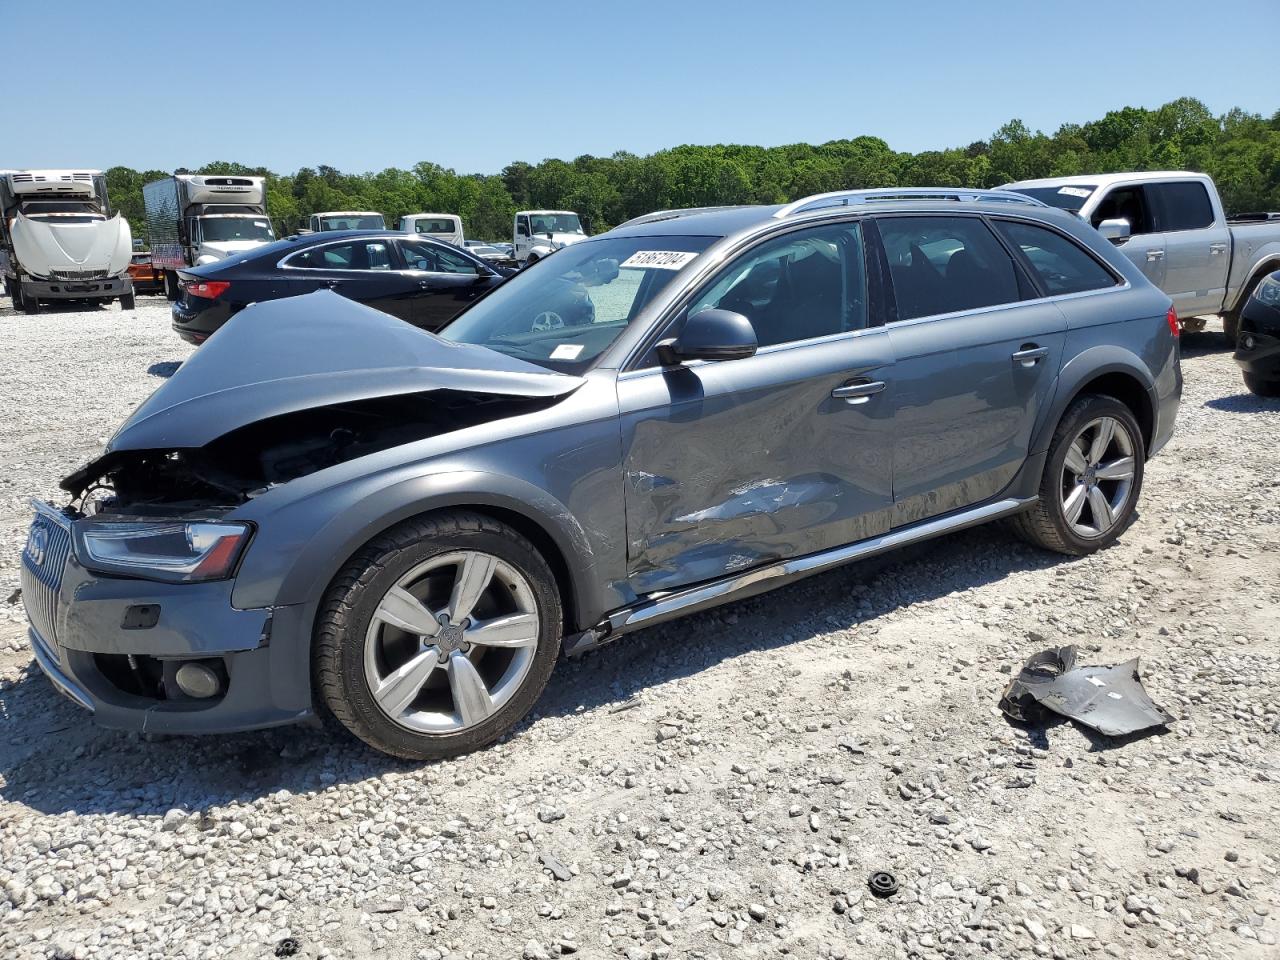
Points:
(60, 241)
(194, 219)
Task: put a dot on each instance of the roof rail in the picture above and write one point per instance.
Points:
(658, 215)
(844, 198)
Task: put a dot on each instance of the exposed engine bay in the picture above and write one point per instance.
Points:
(251, 459)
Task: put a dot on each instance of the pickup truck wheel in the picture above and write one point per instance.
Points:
(1231, 328)
(1092, 479)
(1262, 388)
(438, 636)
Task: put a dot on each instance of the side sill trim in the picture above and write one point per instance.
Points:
(669, 606)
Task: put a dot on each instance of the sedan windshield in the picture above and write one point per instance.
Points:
(568, 309)
(1071, 197)
(225, 229)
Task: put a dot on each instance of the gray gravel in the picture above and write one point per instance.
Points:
(721, 786)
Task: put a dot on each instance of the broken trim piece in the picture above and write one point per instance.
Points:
(1110, 700)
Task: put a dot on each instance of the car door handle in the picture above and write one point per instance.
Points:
(1030, 356)
(333, 284)
(427, 285)
(859, 391)
(1154, 255)
(1217, 248)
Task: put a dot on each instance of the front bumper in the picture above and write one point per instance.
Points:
(77, 289)
(1258, 354)
(112, 645)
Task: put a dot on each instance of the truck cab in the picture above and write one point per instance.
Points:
(538, 233)
(445, 227)
(1173, 227)
(345, 220)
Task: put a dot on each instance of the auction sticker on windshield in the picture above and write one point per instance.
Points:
(1076, 191)
(658, 259)
(567, 351)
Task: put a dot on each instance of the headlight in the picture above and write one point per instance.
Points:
(176, 551)
(1268, 291)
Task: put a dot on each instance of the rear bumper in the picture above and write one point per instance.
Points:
(77, 289)
(197, 326)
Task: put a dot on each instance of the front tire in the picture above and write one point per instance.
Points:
(1092, 479)
(171, 290)
(438, 636)
(30, 302)
(1260, 387)
(127, 301)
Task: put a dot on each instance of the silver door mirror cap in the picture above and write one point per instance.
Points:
(1117, 230)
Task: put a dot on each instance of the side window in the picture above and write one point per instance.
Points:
(1059, 263)
(1127, 203)
(435, 259)
(1182, 206)
(946, 264)
(522, 226)
(811, 283)
(360, 255)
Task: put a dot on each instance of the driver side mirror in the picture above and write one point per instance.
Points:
(710, 335)
(1117, 231)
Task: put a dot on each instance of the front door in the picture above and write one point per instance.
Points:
(1146, 244)
(1197, 246)
(444, 282)
(973, 364)
(733, 464)
(521, 249)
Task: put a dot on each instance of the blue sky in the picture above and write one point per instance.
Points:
(474, 85)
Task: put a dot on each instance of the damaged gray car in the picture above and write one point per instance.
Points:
(328, 511)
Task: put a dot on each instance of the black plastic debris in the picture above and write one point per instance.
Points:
(288, 947)
(883, 883)
(1110, 700)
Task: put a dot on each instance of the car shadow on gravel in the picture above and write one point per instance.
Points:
(1204, 344)
(53, 759)
(1244, 403)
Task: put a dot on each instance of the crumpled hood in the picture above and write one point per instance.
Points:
(42, 246)
(316, 350)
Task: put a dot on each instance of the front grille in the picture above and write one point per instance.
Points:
(78, 274)
(43, 560)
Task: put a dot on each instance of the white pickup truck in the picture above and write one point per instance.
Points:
(1172, 225)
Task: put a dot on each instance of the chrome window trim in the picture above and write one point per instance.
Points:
(281, 264)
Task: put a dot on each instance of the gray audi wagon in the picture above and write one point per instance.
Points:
(326, 510)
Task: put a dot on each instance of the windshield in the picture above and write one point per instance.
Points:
(34, 207)
(225, 229)
(555, 223)
(66, 217)
(565, 311)
(368, 221)
(435, 225)
(1065, 198)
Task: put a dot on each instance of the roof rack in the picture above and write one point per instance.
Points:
(658, 215)
(845, 198)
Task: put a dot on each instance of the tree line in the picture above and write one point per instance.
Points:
(1240, 150)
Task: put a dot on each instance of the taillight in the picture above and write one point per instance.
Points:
(207, 289)
(1174, 326)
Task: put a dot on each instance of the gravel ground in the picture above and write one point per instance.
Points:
(721, 786)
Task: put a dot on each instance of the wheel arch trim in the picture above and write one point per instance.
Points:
(1094, 366)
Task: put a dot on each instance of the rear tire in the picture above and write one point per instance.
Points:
(1231, 328)
(1260, 387)
(1091, 484)
(445, 687)
(126, 301)
(171, 291)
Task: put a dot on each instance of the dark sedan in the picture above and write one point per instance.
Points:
(421, 281)
(1258, 342)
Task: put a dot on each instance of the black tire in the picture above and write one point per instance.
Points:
(1046, 523)
(1262, 388)
(171, 291)
(1231, 328)
(338, 675)
(30, 303)
(127, 301)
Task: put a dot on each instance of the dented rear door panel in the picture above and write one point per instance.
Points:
(732, 464)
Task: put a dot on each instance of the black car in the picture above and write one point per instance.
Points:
(421, 281)
(1258, 342)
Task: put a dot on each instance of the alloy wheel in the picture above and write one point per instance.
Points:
(451, 642)
(1097, 477)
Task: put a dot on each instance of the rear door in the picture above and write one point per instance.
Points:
(1146, 244)
(364, 270)
(975, 359)
(444, 281)
(1197, 246)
